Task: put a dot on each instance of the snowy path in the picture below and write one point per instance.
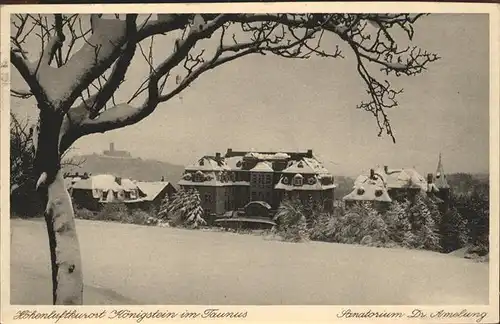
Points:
(128, 264)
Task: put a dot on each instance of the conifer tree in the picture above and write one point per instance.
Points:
(183, 209)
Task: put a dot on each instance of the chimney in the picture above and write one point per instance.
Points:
(386, 169)
(229, 151)
(111, 147)
(372, 174)
(118, 180)
(430, 178)
(162, 179)
(309, 153)
(217, 156)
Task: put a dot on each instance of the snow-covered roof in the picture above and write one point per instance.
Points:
(209, 179)
(234, 162)
(105, 182)
(151, 188)
(397, 178)
(268, 156)
(306, 165)
(262, 167)
(306, 185)
(208, 163)
(369, 190)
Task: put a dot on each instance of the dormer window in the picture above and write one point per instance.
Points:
(238, 164)
(360, 191)
(199, 176)
(378, 192)
(301, 164)
(311, 180)
(298, 180)
(201, 162)
(285, 180)
(187, 176)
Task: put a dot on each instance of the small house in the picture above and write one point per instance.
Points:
(96, 190)
(155, 192)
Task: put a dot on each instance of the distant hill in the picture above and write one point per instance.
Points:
(128, 167)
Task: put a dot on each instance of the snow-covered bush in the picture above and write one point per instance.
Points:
(291, 219)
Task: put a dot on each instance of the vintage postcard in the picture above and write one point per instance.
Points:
(273, 162)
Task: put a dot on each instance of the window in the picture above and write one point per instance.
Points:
(311, 180)
(269, 179)
(285, 180)
(254, 195)
(298, 180)
(198, 177)
(208, 197)
(254, 178)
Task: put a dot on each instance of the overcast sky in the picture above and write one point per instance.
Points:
(270, 103)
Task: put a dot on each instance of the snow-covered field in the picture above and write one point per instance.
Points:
(129, 264)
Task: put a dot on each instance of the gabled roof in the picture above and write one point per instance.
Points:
(301, 166)
(262, 167)
(152, 189)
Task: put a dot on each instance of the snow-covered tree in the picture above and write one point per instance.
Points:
(183, 208)
(424, 228)
(82, 60)
(398, 223)
(292, 220)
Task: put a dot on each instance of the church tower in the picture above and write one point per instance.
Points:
(442, 184)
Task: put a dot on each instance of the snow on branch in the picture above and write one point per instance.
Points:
(107, 53)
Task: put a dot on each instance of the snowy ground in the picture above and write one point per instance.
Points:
(128, 264)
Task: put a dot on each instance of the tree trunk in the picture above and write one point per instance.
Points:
(67, 280)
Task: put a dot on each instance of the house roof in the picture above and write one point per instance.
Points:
(317, 185)
(105, 182)
(397, 178)
(232, 162)
(210, 180)
(268, 156)
(208, 163)
(262, 167)
(369, 190)
(306, 165)
(152, 188)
